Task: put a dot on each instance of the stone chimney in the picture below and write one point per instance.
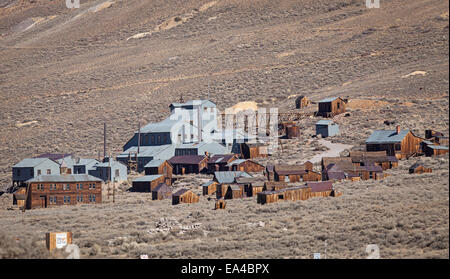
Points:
(397, 129)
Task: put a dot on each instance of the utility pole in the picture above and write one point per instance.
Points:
(104, 140)
(114, 190)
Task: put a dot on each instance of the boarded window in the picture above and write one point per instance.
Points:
(38, 172)
(49, 171)
(117, 173)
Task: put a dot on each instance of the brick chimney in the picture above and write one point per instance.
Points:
(397, 129)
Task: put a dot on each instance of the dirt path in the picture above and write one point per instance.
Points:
(335, 149)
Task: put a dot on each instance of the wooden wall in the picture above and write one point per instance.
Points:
(187, 197)
(147, 186)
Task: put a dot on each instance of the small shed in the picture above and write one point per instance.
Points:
(330, 107)
(292, 131)
(20, 196)
(184, 196)
(302, 102)
(269, 172)
(326, 128)
(162, 191)
(419, 168)
(435, 150)
(220, 162)
(220, 204)
(147, 183)
(209, 188)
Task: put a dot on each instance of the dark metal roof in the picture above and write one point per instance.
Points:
(162, 187)
(220, 158)
(187, 159)
(54, 156)
(321, 186)
(290, 169)
(181, 192)
(64, 178)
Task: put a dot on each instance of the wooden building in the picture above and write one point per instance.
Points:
(330, 107)
(245, 165)
(251, 185)
(225, 179)
(162, 191)
(337, 161)
(398, 143)
(20, 196)
(62, 189)
(320, 189)
(254, 150)
(296, 173)
(302, 102)
(377, 158)
(184, 196)
(269, 172)
(434, 150)
(147, 183)
(209, 188)
(275, 185)
(163, 167)
(189, 164)
(220, 204)
(234, 192)
(291, 193)
(419, 168)
(220, 162)
(292, 131)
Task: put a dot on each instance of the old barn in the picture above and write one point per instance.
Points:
(302, 102)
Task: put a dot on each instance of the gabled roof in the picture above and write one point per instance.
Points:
(54, 156)
(208, 183)
(228, 177)
(386, 136)
(438, 147)
(181, 192)
(290, 169)
(32, 162)
(113, 164)
(85, 161)
(220, 158)
(187, 159)
(163, 126)
(147, 178)
(64, 178)
(330, 99)
(154, 163)
(163, 152)
(237, 162)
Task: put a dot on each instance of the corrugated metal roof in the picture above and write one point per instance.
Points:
(228, 177)
(162, 187)
(53, 156)
(327, 100)
(113, 163)
(438, 147)
(321, 186)
(187, 159)
(154, 163)
(162, 152)
(386, 136)
(206, 184)
(147, 178)
(324, 122)
(220, 158)
(31, 162)
(236, 162)
(64, 178)
(160, 127)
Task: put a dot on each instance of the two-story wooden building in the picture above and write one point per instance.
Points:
(62, 189)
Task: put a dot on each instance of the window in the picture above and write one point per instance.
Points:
(152, 139)
(49, 171)
(81, 186)
(90, 198)
(159, 139)
(50, 199)
(38, 172)
(93, 198)
(78, 186)
(117, 174)
(81, 198)
(93, 185)
(54, 199)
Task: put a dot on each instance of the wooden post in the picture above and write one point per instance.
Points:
(114, 190)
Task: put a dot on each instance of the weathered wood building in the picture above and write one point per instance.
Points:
(189, 164)
(326, 128)
(398, 143)
(234, 192)
(147, 183)
(330, 107)
(245, 165)
(287, 194)
(254, 150)
(225, 179)
(377, 158)
(163, 167)
(320, 189)
(162, 191)
(419, 168)
(184, 196)
(302, 102)
(62, 189)
(209, 188)
(32, 167)
(220, 162)
(220, 204)
(296, 173)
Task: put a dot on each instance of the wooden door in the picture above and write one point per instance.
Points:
(43, 201)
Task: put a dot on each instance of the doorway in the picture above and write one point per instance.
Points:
(43, 201)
